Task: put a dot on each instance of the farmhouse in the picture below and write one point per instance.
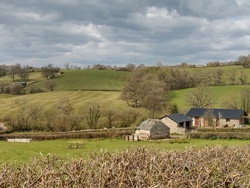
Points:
(151, 129)
(178, 123)
(203, 117)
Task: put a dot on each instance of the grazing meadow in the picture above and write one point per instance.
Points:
(22, 152)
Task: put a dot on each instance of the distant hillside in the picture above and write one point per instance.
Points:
(221, 93)
(92, 80)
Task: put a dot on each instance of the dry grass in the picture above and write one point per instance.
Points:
(141, 167)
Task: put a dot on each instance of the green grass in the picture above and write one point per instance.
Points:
(99, 80)
(22, 152)
(78, 99)
(221, 93)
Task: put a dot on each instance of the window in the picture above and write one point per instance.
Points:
(227, 119)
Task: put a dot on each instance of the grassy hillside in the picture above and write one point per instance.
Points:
(221, 93)
(77, 99)
(103, 88)
(100, 80)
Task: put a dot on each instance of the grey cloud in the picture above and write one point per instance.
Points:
(120, 32)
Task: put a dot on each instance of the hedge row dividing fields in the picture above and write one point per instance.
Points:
(220, 133)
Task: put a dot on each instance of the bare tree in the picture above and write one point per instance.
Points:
(92, 116)
(231, 101)
(24, 73)
(3, 84)
(218, 77)
(200, 97)
(240, 100)
(50, 85)
(244, 61)
(245, 100)
(111, 116)
(64, 106)
(14, 70)
(242, 78)
(67, 66)
(209, 118)
(21, 121)
(231, 75)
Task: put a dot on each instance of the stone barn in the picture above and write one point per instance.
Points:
(178, 123)
(152, 129)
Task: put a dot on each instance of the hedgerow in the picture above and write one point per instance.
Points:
(141, 167)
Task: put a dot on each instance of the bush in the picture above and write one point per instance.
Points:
(219, 135)
(109, 133)
(208, 129)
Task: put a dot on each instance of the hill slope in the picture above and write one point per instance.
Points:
(95, 80)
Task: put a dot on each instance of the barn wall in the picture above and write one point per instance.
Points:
(142, 134)
(173, 126)
(221, 122)
(231, 123)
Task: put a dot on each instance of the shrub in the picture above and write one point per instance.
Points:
(219, 135)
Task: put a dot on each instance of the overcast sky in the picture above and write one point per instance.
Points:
(118, 32)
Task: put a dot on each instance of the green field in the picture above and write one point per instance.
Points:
(78, 99)
(221, 93)
(97, 80)
(101, 87)
(22, 152)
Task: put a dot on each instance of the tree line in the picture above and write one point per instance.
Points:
(62, 116)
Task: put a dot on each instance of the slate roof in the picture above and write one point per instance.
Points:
(178, 118)
(149, 124)
(223, 113)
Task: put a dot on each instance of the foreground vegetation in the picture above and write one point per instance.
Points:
(139, 167)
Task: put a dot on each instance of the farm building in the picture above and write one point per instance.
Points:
(203, 117)
(152, 129)
(178, 123)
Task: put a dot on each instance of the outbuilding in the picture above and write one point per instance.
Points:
(152, 129)
(178, 123)
(219, 117)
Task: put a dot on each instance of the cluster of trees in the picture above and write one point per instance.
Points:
(49, 71)
(64, 117)
(244, 61)
(21, 74)
(149, 87)
(146, 90)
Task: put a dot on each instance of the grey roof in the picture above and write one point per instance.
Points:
(223, 113)
(150, 124)
(178, 118)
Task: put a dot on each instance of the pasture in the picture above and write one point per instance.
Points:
(23, 152)
(221, 93)
(97, 80)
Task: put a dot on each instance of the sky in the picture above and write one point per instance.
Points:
(118, 32)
